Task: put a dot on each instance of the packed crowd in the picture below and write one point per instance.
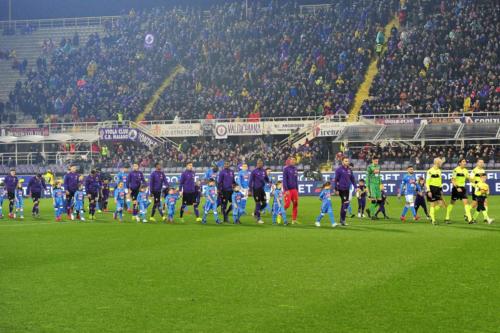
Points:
(444, 58)
(203, 153)
(277, 62)
(109, 75)
(267, 60)
(419, 156)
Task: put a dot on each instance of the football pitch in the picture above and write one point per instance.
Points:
(382, 276)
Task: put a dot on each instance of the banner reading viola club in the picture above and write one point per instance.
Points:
(117, 134)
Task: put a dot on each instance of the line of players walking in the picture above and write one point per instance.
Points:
(229, 192)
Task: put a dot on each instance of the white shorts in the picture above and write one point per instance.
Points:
(245, 193)
(410, 198)
(268, 196)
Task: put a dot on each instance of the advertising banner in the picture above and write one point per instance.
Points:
(482, 120)
(224, 130)
(391, 180)
(177, 130)
(24, 131)
(125, 134)
(284, 127)
(329, 129)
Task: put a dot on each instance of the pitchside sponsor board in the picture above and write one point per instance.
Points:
(391, 180)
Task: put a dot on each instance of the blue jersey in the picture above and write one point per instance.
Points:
(243, 179)
(268, 187)
(171, 200)
(237, 199)
(2, 194)
(58, 195)
(326, 197)
(278, 198)
(120, 195)
(122, 177)
(19, 196)
(408, 185)
(211, 174)
(142, 198)
(211, 194)
(79, 197)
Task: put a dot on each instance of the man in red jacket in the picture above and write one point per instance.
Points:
(291, 187)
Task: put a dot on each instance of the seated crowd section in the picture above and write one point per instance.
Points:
(443, 59)
(269, 60)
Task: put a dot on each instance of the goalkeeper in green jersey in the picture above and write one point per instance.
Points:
(373, 182)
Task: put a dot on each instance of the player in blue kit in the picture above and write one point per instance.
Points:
(78, 204)
(239, 203)
(59, 199)
(170, 202)
(279, 212)
(19, 201)
(408, 188)
(119, 196)
(210, 194)
(243, 180)
(2, 196)
(326, 205)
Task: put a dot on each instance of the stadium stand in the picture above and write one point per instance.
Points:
(276, 63)
(443, 60)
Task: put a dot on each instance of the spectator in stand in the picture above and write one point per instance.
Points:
(444, 61)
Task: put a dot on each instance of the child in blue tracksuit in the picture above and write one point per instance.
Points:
(239, 203)
(170, 201)
(78, 203)
(279, 212)
(210, 194)
(2, 195)
(59, 197)
(143, 202)
(326, 205)
(268, 189)
(19, 201)
(120, 194)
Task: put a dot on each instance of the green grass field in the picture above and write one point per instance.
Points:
(381, 276)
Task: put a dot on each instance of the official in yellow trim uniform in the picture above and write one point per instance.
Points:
(482, 191)
(459, 191)
(434, 184)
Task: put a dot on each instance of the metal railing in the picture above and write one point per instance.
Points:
(399, 115)
(67, 22)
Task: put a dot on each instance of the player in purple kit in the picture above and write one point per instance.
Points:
(343, 181)
(187, 188)
(135, 180)
(225, 188)
(36, 186)
(92, 189)
(157, 181)
(71, 182)
(290, 185)
(103, 199)
(258, 180)
(10, 185)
